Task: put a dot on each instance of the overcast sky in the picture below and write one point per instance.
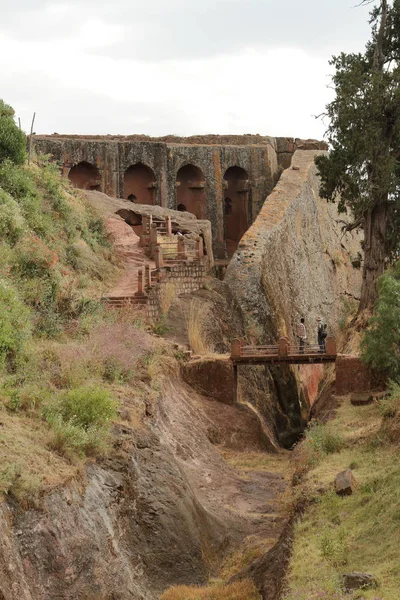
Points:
(174, 66)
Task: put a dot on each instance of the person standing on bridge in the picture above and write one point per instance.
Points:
(322, 333)
(302, 335)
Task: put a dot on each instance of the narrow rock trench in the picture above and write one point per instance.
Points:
(222, 451)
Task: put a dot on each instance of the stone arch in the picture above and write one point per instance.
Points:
(85, 176)
(191, 190)
(236, 206)
(139, 184)
(181, 207)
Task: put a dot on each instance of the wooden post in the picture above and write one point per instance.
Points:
(283, 346)
(153, 234)
(169, 226)
(181, 248)
(159, 257)
(140, 282)
(199, 248)
(235, 384)
(30, 140)
(330, 345)
(236, 348)
(147, 276)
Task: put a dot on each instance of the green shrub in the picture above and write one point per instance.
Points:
(12, 223)
(321, 441)
(71, 440)
(334, 547)
(15, 324)
(12, 139)
(114, 371)
(389, 406)
(25, 397)
(18, 182)
(160, 327)
(380, 346)
(34, 257)
(79, 421)
(325, 439)
(86, 407)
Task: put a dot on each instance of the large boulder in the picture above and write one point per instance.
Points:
(359, 581)
(361, 399)
(294, 261)
(345, 483)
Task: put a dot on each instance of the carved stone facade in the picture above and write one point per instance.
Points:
(224, 179)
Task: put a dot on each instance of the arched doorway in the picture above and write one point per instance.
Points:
(191, 190)
(139, 184)
(85, 176)
(236, 207)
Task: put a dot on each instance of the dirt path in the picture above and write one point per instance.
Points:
(126, 243)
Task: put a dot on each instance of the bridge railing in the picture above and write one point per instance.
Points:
(255, 350)
(295, 349)
(284, 349)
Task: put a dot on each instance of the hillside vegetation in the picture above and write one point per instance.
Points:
(358, 532)
(61, 353)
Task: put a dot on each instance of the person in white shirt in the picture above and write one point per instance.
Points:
(302, 335)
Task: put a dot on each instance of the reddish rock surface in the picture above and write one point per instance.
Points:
(352, 375)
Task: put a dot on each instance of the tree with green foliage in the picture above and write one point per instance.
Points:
(12, 139)
(380, 346)
(362, 170)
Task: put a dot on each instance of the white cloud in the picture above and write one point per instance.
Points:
(82, 72)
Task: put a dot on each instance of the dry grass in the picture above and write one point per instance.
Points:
(198, 325)
(252, 549)
(167, 297)
(27, 465)
(356, 533)
(241, 590)
(259, 461)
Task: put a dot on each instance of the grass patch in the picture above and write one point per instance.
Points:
(357, 533)
(85, 407)
(320, 441)
(27, 465)
(258, 461)
(54, 251)
(241, 590)
(198, 322)
(167, 296)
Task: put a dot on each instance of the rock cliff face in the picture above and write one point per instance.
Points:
(293, 262)
(163, 509)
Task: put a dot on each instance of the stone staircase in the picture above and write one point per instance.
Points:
(157, 258)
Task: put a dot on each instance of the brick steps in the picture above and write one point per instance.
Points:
(121, 301)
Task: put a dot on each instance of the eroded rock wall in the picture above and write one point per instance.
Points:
(294, 261)
(135, 523)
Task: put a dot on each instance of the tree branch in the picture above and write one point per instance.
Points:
(379, 57)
